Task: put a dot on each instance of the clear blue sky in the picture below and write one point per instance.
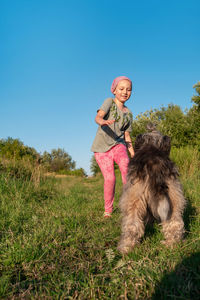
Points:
(58, 59)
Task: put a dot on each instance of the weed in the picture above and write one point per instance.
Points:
(55, 243)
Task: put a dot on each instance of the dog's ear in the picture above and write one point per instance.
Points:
(139, 142)
(166, 144)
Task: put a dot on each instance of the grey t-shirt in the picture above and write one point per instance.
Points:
(109, 136)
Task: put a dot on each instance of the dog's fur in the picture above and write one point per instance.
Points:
(152, 190)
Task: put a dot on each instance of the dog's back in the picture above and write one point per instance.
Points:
(152, 166)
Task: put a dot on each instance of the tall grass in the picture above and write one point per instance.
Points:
(55, 243)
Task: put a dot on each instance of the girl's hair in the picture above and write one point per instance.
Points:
(117, 80)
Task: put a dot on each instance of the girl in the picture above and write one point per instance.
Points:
(113, 138)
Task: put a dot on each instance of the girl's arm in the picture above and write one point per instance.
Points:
(129, 143)
(99, 119)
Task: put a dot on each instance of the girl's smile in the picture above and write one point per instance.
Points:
(122, 92)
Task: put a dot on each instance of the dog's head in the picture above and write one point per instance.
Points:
(153, 138)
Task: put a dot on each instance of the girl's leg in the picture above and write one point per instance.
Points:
(122, 159)
(106, 165)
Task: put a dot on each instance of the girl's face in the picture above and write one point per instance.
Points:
(123, 90)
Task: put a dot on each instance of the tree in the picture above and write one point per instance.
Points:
(196, 98)
(194, 117)
(141, 121)
(15, 149)
(170, 120)
(175, 124)
(46, 160)
(58, 160)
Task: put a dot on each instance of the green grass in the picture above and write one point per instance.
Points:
(55, 244)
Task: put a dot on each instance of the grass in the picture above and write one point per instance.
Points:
(55, 244)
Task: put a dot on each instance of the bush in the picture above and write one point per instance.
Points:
(15, 149)
(182, 127)
(58, 160)
(78, 172)
(187, 159)
(21, 169)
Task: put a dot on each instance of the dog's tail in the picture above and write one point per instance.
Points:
(159, 170)
(163, 208)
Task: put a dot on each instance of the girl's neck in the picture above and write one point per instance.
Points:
(119, 104)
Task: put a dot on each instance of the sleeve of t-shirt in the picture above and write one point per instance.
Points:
(106, 105)
(129, 129)
(130, 123)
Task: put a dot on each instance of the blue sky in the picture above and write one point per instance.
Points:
(58, 59)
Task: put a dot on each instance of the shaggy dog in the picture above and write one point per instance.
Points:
(152, 190)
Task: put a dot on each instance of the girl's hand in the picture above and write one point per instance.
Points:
(99, 119)
(107, 122)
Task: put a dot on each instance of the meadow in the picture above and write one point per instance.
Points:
(55, 243)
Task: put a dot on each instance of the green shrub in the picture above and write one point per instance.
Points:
(187, 159)
(15, 149)
(77, 172)
(21, 169)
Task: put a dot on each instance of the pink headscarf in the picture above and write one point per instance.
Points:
(117, 80)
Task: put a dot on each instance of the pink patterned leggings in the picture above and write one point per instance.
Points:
(106, 163)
